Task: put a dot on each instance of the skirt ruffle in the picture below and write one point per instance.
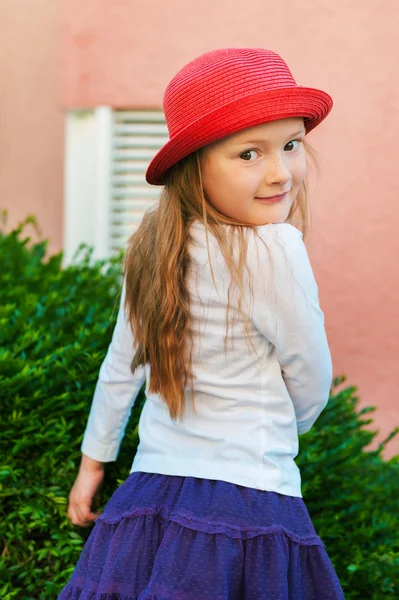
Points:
(164, 537)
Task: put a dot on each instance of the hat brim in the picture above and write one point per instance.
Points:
(311, 104)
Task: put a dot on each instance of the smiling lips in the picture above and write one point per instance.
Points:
(271, 199)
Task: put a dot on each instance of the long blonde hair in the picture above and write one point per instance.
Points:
(156, 268)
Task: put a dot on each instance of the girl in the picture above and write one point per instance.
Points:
(220, 317)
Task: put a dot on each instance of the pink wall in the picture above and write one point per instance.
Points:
(124, 52)
(32, 120)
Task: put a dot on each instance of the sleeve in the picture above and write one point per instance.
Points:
(286, 311)
(115, 393)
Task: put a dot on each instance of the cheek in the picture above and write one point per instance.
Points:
(218, 181)
(209, 180)
(298, 170)
(243, 180)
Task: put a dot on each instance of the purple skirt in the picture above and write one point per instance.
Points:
(164, 537)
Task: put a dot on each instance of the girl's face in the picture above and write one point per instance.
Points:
(241, 172)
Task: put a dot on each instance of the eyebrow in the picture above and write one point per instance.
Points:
(263, 140)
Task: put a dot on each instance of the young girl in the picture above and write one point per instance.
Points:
(220, 317)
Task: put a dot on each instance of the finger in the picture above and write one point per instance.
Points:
(83, 512)
(78, 522)
(77, 515)
(74, 518)
(86, 515)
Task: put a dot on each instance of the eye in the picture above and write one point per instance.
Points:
(248, 155)
(291, 145)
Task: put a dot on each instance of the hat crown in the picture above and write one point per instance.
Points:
(220, 77)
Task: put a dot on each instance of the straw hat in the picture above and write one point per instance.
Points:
(224, 91)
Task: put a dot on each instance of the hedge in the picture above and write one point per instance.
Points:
(55, 326)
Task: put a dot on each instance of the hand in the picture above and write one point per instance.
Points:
(84, 491)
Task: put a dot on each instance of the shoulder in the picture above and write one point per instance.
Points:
(284, 232)
(275, 238)
(279, 247)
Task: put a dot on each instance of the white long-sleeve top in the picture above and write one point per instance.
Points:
(252, 401)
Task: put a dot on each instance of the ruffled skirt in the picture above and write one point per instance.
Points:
(164, 537)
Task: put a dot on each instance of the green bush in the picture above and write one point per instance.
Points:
(55, 326)
(352, 497)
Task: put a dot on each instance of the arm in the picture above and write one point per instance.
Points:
(116, 391)
(286, 311)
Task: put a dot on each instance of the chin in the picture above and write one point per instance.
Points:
(278, 218)
(281, 216)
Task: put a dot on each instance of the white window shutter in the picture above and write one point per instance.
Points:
(136, 138)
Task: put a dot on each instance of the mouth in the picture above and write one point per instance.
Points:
(271, 199)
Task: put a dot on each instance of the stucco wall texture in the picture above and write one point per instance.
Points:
(31, 116)
(123, 53)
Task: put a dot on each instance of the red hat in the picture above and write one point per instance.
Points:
(224, 91)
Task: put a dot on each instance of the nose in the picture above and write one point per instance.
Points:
(277, 171)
